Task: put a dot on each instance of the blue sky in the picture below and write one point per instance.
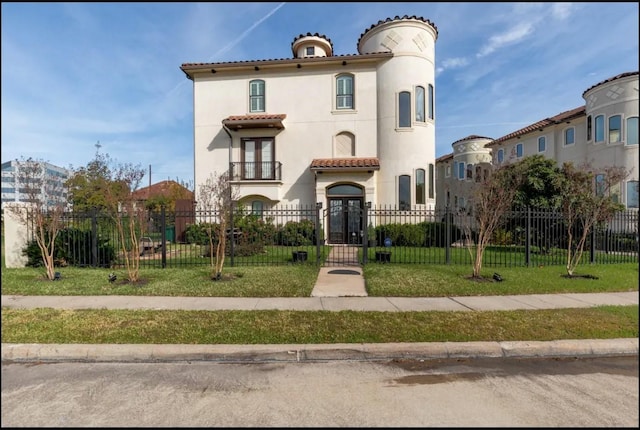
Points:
(74, 74)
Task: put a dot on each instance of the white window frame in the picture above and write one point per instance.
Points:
(628, 141)
(609, 129)
(256, 96)
(564, 136)
(542, 141)
(343, 97)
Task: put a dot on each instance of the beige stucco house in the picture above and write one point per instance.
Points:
(319, 128)
(603, 132)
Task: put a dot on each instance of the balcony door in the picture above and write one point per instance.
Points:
(257, 158)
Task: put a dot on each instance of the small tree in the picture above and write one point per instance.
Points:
(44, 213)
(586, 203)
(126, 213)
(86, 185)
(492, 199)
(217, 195)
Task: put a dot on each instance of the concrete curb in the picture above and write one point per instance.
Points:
(313, 353)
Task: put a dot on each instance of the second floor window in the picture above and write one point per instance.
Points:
(256, 96)
(589, 128)
(569, 137)
(599, 128)
(419, 104)
(344, 92)
(404, 109)
(632, 130)
(542, 144)
(615, 128)
(519, 152)
(431, 102)
(500, 156)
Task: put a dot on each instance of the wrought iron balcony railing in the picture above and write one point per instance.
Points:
(256, 171)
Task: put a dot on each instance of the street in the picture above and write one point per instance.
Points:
(569, 392)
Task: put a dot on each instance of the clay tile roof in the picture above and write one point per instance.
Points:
(444, 158)
(264, 120)
(345, 163)
(472, 137)
(322, 36)
(538, 126)
(162, 188)
(397, 18)
(620, 76)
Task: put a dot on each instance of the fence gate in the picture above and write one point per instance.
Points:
(345, 219)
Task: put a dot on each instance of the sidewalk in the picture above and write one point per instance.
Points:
(323, 352)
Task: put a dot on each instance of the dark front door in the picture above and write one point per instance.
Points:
(345, 220)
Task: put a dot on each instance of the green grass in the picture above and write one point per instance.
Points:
(300, 327)
(297, 280)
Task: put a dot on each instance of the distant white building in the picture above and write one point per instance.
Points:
(52, 190)
(338, 130)
(603, 132)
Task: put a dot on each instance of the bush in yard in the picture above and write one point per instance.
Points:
(73, 247)
(297, 233)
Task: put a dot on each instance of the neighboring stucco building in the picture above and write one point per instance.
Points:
(340, 130)
(603, 133)
(53, 190)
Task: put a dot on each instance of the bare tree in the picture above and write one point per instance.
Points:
(586, 203)
(492, 199)
(126, 212)
(44, 210)
(217, 195)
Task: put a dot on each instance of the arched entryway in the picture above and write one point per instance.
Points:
(345, 212)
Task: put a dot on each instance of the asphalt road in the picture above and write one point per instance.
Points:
(484, 392)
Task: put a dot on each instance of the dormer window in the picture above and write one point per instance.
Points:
(310, 51)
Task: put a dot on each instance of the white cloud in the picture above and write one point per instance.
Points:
(514, 35)
(561, 11)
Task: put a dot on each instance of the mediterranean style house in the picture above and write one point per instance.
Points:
(603, 132)
(319, 128)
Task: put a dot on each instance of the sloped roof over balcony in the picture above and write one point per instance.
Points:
(237, 122)
(345, 164)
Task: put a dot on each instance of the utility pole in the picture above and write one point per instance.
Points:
(149, 175)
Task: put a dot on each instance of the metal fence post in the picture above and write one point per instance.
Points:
(447, 236)
(527, 236)
(163, 226)
(231, 233)
(94, 238)
(592, 247)
(319, 239)
(365, 244)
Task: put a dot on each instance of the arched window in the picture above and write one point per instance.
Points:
(420, 187)
(500, 156)
(404, 192)
(344, 92)
(404, 109)
(256, 96)
(420, 104)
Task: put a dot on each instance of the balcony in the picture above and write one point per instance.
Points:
(256, 171)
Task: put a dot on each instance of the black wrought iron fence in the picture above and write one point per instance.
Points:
(298, 234)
